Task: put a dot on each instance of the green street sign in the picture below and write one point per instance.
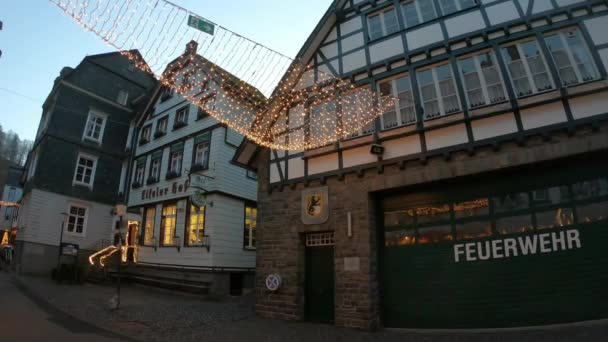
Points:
(201, 24)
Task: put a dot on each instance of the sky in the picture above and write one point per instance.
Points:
(38, 39)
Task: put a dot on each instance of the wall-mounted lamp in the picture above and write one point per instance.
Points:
(377, 149)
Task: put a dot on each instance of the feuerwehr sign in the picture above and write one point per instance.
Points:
(518, 246)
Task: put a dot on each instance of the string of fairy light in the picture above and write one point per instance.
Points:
(268, 97)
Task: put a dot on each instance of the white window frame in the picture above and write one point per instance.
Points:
(418, 12)
(101, 115)
(529, 75)
(137, 173)
(94, 168)
(482, 79)
(249, 244)
(122, 97)
(183, 111)
(146, 133)
(382, 22)
(397, 105)
(458, 4)
(367, 129)
(85, 219)
(172, 159)
(439, 95)
(206, 149)
(561, 34)
(155, 174)
(165, 123)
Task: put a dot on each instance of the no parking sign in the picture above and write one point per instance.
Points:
(273, 282)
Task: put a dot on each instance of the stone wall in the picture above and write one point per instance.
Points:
(280, 246)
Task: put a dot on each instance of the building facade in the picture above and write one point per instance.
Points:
(10, 182)
(195, 211)
(483, 201)
(73, 171)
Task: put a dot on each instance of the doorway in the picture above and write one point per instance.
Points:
(320, 289)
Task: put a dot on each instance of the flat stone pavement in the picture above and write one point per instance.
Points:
(24, 319)
(149, 314)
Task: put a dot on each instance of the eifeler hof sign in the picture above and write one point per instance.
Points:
(174, 188)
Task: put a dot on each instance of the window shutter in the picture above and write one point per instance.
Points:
(202, 138)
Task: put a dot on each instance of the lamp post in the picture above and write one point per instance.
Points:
(121, 210)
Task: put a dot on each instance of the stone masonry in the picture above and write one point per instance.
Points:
(280, 247)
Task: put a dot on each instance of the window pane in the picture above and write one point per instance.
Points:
(554, 218)
(390, 21)
(448, 6)
(510, 202)
(514, 224)
(400, 237)
(473, 230)
(478, 207)
(550, 196)
(592, 212)
(591, 188)
(427, 9)
(375, 27)
(410, 13)
(433, 213)
(434, 234)
(399, 218)
(581, 55)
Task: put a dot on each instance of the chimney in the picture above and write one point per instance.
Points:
(191, 48)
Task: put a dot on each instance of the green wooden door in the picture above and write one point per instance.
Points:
(320, 284)
(495, 252)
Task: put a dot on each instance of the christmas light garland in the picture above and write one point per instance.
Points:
(271, 99)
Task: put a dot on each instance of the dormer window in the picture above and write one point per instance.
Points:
(382, 23)
(181, 118)
(161, 127)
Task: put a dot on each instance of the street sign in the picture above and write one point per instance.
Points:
(201, 182)
(198, 199)
(273, 282)
(201, 24)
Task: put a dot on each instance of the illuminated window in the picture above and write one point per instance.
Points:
(76, 220)
(95, 126)
(196, 226)
(434, 234)
(403, 112)
(167, 223)
(571, 56)
(251, 213)
(150, 215)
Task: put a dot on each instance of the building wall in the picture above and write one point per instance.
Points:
(6, 218)
(347, 51)
(281, 244)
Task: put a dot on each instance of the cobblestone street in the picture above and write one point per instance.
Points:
(149, 314)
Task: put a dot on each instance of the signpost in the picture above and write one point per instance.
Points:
(201, 24)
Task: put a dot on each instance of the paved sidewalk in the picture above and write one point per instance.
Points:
(149, 314)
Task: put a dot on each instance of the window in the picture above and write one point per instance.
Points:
(201, 114)
(323, 120)
(139, 173)
(482, 80)
(11, 194)
(353, 106)
(161, 127)
(403, 111)
(201, 155)
(181, 118)
(167, 224)
(251, 214)
(175, 163)
(85, 170)
(417, 11)
(123, 97)
(77, 219)
(196, 226)
(252, 174)
(527, 68)
(149, 217)
(166, 94)
(382, 23)
(145, 134)
(154, 170)
(95, 125)
(438, 91)
(571, 56)
(451, 6)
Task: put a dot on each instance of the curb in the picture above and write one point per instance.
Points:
(52, 310)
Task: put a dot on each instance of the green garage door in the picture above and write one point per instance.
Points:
(505, 250)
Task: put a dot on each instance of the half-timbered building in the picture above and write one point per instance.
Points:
(480, 199)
